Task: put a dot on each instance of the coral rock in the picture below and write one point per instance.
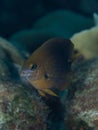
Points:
(84, 102)
(20, 107)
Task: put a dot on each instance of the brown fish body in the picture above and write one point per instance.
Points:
(49, 66)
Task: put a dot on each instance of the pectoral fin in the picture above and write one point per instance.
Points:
(41, 93)
(46, 91)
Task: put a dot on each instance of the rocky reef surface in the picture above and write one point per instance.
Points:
(22, 108)
(83, 100)
(19, 108)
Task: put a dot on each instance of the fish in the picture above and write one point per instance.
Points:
(49, 66)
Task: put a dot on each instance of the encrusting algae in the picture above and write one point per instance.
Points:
(49, 66)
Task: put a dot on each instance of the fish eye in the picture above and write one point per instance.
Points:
(33, 66)
(46, 76)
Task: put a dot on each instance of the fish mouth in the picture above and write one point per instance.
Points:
(30, 75)
(26, 74)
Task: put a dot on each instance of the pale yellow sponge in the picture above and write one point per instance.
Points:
(86, 42)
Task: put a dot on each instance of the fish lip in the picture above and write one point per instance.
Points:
(29, 75)
(26, 74)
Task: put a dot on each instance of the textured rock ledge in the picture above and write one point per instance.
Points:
(83, 103)
(20, 108)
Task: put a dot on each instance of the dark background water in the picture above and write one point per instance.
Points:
(16, 15)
